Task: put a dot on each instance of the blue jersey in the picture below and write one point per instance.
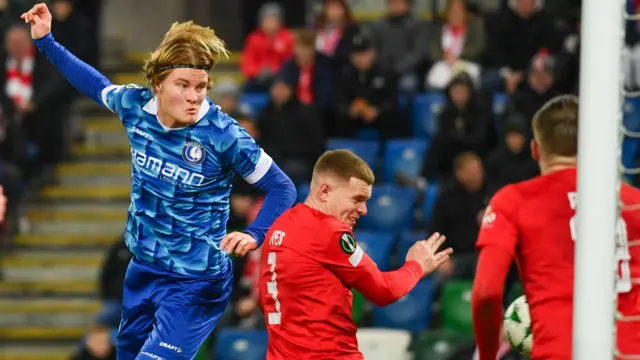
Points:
(181, 181)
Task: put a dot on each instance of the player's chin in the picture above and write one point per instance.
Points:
(189, 118)
(351, 222)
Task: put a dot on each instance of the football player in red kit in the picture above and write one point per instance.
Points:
(533, 222)
(311, 260)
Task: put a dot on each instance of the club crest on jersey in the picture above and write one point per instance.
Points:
(193, 153)
(348, 243)
(489, 217)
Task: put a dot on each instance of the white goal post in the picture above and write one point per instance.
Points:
(598, 178)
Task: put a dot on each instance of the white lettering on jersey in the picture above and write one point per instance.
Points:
(170, 347)
(276, 238)
(143, 134)
(165, 171)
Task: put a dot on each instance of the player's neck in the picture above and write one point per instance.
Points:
(315, 206)
(557, 163)
(169, 122)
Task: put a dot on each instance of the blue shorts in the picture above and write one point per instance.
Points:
(166, 316)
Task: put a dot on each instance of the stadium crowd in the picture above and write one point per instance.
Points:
(36, 101)
(454, 94)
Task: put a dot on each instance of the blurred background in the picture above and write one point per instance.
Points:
(437, 95)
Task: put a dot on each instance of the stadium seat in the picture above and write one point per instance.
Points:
(455, 306)
(429, 200)
(403, 156)
(253, 102)
(234, 344)
(411, 313)
(631, 145)
(303, 192)
(500, 101)
(378, 245)
(631, 114)
(383, 344)
(424, 115)
(438, 344)
(390, 209)
(366, 149)
(630, 153)
(368, 134)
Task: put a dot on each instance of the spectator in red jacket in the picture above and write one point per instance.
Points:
(266, 49)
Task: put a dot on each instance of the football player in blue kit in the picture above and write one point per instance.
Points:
(184, 153)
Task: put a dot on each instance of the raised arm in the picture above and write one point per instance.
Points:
(82, 76)
(348, 261)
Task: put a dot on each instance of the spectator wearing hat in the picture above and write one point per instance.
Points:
(463, 125)
(266, 49)
(366, 94)
(290, 131)
(538, 89)
(511, 162)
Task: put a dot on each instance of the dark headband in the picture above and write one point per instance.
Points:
(167, 67)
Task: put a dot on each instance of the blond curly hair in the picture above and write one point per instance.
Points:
(185, 43)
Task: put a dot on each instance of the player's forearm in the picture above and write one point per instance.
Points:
(281, 195)
(81, 75)
(486, 301)
(487, 317)
(384, 288)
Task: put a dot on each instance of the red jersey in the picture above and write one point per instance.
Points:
(534, 222)
(310, 261)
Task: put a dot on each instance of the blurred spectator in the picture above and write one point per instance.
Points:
(366, 94)
(457, 45)
(266, 49)
(91, 10)
(290, 131)
(516, 34)
(568, 71)
(71, 28)
(511, 162)
(458, 213)
(14, 163)
(335, 28)
(35, 94)
(463, 125)
(400, 41)
(537, 91)
(310, 71)
(226, 95)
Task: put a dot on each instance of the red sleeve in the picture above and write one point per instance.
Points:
(250, 61)
(346, 259)
(497, 243)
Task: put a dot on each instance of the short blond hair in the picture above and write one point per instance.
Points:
(345, 165)
(555, 126)
(184, 43)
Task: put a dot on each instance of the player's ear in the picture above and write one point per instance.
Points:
(535, 150)
(323, 192)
